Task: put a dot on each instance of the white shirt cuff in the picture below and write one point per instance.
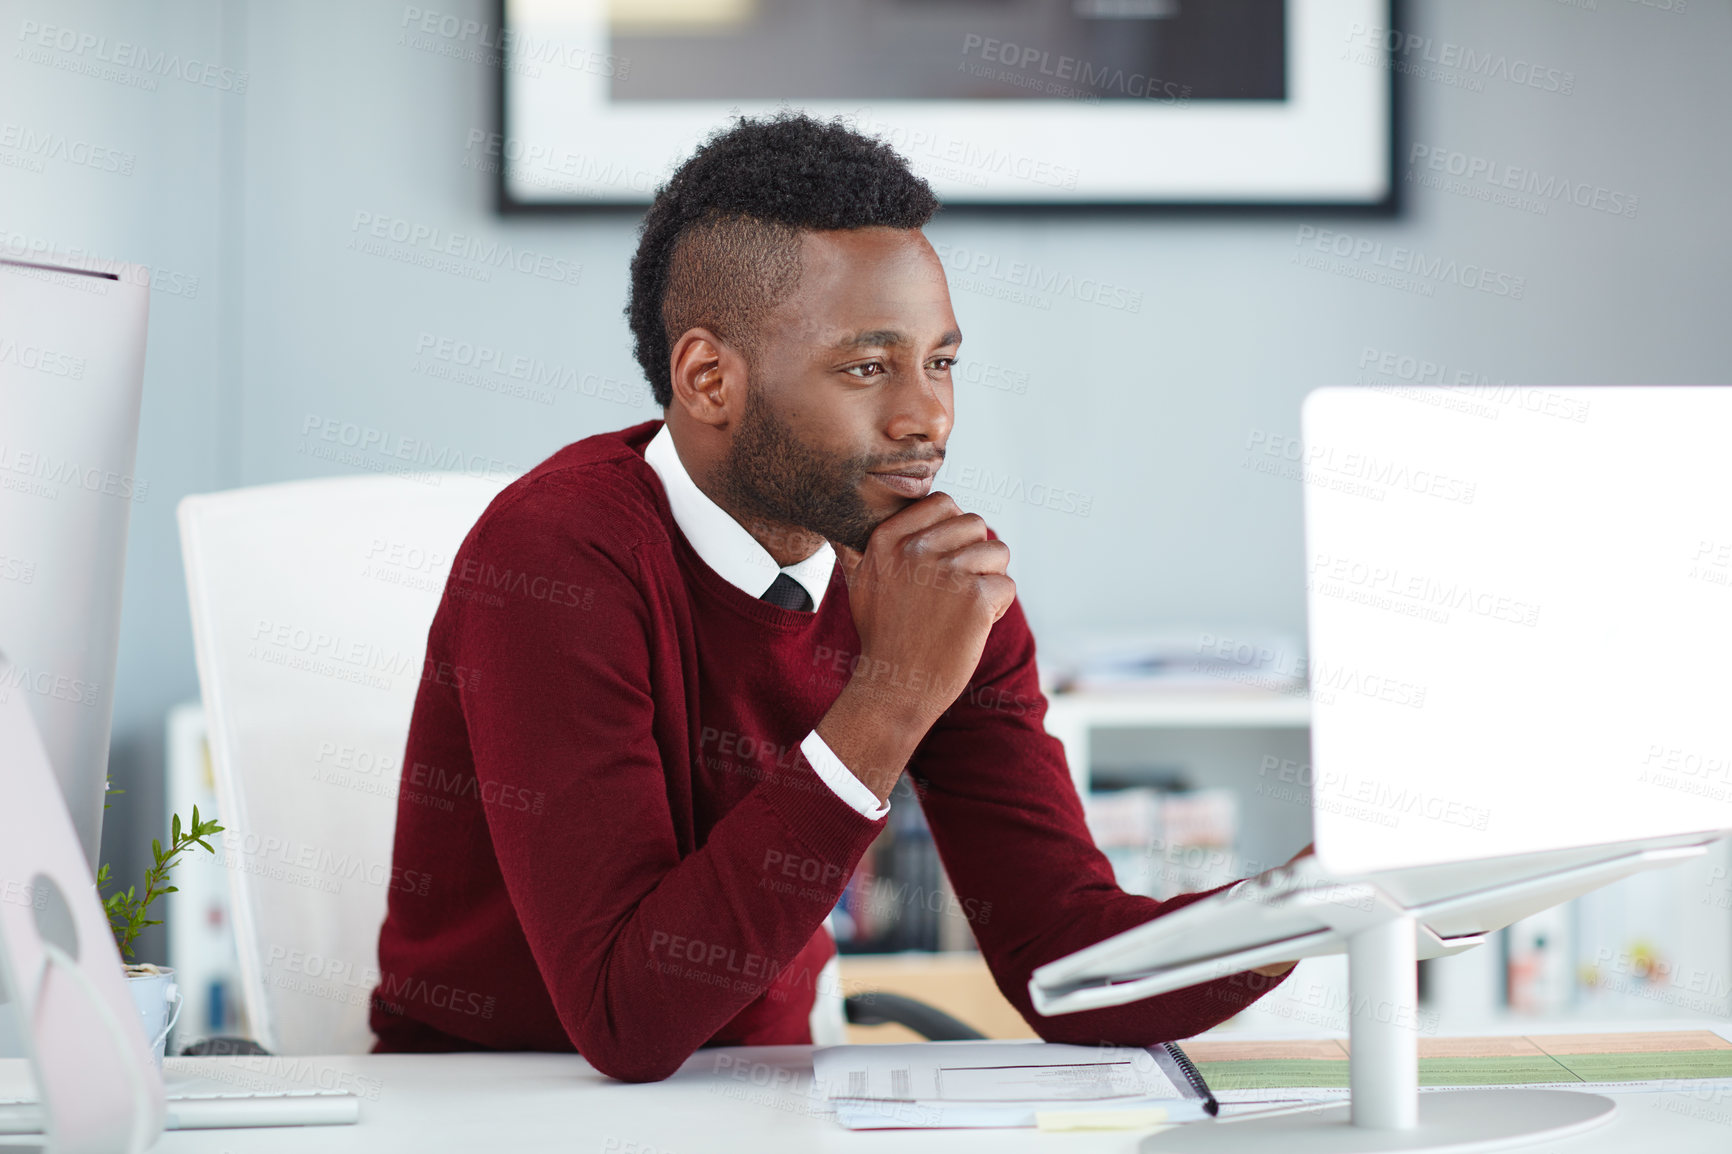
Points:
(842, 783)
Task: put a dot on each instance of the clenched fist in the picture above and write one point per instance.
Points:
(925, 594)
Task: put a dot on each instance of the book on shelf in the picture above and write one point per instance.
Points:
(1163, 842)
(899, 898)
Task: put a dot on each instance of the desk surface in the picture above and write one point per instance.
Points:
(748, 1100)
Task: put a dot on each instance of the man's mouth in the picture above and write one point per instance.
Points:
(910, 480)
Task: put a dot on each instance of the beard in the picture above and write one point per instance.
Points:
(772, 475)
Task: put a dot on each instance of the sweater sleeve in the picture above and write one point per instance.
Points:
(647, 947)
(1009, 829)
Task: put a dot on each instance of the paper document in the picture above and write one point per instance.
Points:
(993, 1084)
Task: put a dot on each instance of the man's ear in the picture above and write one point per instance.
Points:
(709, 378)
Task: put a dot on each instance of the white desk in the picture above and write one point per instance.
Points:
(749, 1100)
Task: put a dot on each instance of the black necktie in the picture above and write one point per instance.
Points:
(786, 593)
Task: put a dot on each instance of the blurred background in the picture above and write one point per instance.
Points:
(287, 342)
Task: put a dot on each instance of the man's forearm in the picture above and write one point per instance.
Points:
(873, 733)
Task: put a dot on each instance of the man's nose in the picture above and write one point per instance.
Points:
(922, 413)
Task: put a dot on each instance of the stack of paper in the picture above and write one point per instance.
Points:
(1228, 659)
(995, 1084)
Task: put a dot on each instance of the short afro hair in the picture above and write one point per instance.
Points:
(721, 242)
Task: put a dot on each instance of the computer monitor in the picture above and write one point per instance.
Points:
(71, 366)
(1520, 622)
(1519, 612)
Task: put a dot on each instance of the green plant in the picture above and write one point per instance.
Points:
(126, 911)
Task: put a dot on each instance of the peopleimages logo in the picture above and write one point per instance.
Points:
(1349, 471)
(22, 246)
(1381, 797)
(1462, 390)
(959, 158)
(17, 569)
(519, 47)
(544, 166)
(412, 452)
(1411, 53)
(1409, 262)
(1422, 595)
(983, 271)
(487, 367)
(1092, 77)
(41, 359)
(47, 683)
(429, 242)
(39, 145)
(42, 474)
(89, 47)
(1515, 185)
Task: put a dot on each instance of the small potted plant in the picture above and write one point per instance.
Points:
(153, 987)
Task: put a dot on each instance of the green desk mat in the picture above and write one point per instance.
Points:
(1515, 1070)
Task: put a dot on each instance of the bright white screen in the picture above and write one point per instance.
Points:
(1521, 620)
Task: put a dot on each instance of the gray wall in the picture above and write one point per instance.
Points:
(1149, 414)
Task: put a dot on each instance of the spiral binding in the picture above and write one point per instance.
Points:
(1194, 1076)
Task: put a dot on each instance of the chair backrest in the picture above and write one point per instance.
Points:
(311, 602)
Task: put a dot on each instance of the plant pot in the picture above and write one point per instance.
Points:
(157, 997)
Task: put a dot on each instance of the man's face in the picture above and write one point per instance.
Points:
(849, 402)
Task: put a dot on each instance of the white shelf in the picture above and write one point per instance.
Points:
(1071, 717)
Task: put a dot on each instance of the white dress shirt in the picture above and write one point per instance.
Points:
(723, 544)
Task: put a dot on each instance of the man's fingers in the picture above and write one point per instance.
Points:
(982, 557)
(928, 511)
(948, 536)
(1000, 591)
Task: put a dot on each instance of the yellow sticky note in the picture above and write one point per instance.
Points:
(1058, 1120)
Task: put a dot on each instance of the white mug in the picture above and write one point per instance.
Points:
(158, 1000)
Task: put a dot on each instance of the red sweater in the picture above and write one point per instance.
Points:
(627, 853)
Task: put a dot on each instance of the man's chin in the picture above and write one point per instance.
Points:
(881, 509)
(855, 539)
(859, 534)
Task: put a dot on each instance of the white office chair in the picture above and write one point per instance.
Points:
(311, 602)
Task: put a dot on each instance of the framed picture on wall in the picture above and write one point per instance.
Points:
(1015, 103)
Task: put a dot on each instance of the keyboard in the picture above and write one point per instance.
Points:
(234, 1094)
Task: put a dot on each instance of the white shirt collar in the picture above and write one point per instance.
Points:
(722, 542)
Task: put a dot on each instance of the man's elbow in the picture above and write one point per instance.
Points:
(628, 1062)
(626, 1067)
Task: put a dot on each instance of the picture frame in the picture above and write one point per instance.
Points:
(1105, 137)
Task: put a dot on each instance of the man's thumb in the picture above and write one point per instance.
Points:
(850, 557)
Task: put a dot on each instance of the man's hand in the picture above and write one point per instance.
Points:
(924, 595)
(1276, 969)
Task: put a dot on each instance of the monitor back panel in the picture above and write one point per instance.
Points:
(71, 366)
(1520, 621)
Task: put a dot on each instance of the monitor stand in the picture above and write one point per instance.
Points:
(1387, 1112)
(59, 966)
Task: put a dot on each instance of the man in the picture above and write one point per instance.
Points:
(693, 659)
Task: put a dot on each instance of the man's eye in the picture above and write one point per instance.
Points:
(942, 364)
(870, 369)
